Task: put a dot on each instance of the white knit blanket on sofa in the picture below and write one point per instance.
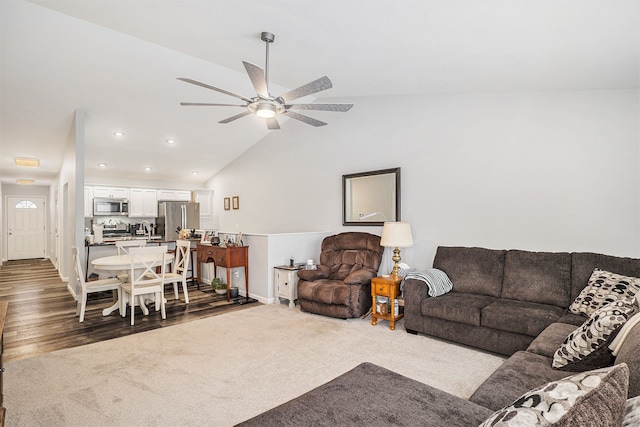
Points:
(436, 280)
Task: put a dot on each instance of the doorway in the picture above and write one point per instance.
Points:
(25, 227)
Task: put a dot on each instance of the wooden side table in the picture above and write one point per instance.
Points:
(384, 295)
(228, 257)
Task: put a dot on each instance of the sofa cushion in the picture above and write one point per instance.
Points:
(371, 395)
(586, 347)
(603, 288)
(472, 270)
(456, 307)
(541, 277)
(571, 319)
(632, 412)
(629, 353)
(343, 251)
(583, 263)
(517, 375)
(521, 317)
(327, 292)
(547, 343)
(594, 398)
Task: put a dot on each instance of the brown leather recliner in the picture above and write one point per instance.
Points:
(341, 286)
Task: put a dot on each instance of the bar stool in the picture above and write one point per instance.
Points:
(191, 271)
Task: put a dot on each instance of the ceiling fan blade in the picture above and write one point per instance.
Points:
(206, 104)
(303, 118)
(323, 83)
(204, 85)
(258, 79)
(273, 124)
(325, 107)
(236, 117)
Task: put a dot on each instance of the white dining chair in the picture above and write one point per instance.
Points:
(144, 279)
(123, 246)
(92, 286)
(179, 274)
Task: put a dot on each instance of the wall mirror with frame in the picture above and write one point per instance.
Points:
(371, 198)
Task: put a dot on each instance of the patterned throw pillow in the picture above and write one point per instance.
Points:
(588, 346)
(604, 287)
(594, 398)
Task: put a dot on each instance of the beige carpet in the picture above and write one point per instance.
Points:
(222, 370)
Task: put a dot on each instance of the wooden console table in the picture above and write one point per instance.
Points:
(228, 257)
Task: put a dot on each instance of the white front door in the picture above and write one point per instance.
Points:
(25, 227)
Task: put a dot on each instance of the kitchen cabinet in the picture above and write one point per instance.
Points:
(111, 192)
(180, 195)
(88, 202)
(204, 198)
(143, 203)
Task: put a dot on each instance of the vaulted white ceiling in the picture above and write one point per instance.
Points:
(118, 61)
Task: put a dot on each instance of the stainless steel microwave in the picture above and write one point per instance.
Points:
(110, 207)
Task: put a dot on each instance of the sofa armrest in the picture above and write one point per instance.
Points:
(414, 292)
(310, 275)
(360, 277)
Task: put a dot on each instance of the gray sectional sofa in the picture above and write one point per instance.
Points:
(503, 299)
(510, 302)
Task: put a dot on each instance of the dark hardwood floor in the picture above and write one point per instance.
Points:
(42, 313)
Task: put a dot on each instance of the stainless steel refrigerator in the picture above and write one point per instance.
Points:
(174, 216)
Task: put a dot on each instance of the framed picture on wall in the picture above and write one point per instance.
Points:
(227, 203)
(236, 202)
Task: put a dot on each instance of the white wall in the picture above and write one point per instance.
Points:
(69, 221)
(547, 171)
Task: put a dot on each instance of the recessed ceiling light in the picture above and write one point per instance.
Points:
(102, 165)
(170, 141)
(118, 133)
(25, 181)
(195, 173)
(32, 163)
(147, 169)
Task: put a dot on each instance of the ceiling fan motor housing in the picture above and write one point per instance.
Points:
(267, 37)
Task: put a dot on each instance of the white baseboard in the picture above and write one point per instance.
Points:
(72, 292)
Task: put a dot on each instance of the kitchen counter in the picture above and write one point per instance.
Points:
(110, 241)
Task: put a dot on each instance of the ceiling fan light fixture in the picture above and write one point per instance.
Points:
(265, 105)
(266, 111)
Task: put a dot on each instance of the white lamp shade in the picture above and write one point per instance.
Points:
(396, 234)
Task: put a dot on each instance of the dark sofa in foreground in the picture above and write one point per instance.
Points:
(350, 400)
(509, 302)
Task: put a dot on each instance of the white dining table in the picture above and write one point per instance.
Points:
(123, 263)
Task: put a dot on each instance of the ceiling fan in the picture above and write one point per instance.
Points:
(268, 106)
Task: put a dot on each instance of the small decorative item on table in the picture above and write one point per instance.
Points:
(385, 291)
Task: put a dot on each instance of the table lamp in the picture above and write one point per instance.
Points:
(396, 235)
